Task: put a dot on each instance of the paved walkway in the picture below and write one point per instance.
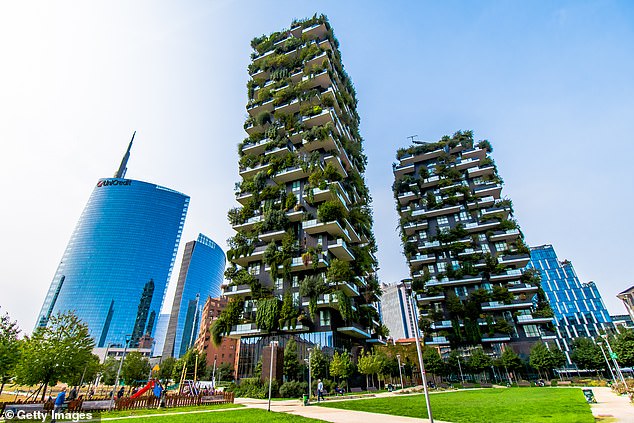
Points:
(610, 404)
(328, 414)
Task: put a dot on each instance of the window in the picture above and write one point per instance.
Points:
(443, 220)
(295, 282)
(501, 246)
(254, 269)
(324, 317)
(442, 267)
(296, 299)
(531, 331)
(464, 216)
(460, 291)
(485, 248)
(279, 284)
(295, 186)
(482, 237)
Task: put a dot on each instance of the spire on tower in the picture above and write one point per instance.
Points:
(124, 162)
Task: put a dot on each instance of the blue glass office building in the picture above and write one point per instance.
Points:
(118, 261)
(200, 277)
(578, 307)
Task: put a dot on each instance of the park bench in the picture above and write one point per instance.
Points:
(524, 383)
(372, 389)
(212, 399)
(564, 383)
(100, 405)
(358, 390)
(468, 385)
(486, 385)
(443, 385)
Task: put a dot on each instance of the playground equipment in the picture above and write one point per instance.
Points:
(152, 384)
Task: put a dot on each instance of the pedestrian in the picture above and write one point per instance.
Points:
(72, 395)
(59, 403)
(320, 390)
(120, 393)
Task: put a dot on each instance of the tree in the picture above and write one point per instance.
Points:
(87, 374)
(369, 364)
(318, 364)
(166, 369)
(623, 347)
(55, 352)
(433, 362)
(586, 354)
(479, 361)
(224, 372)
(546, 359)
(135, 369)
(291, 362)
(109, 370)
(341, 366)
(189, 360)
(509, 361)
(9, 349)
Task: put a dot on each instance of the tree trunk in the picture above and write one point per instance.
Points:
(44, 390)
(1, 387)
(367, 382)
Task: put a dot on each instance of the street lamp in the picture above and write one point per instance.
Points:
(420, 360)
(213, 378)
(273, 348)
(310, 351)
(116, 381)
(460, 368)
(606, 360)
(616, 364)
(400, 371)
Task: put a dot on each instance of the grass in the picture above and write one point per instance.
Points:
(150, 411)
(234, 416)
(514, 405)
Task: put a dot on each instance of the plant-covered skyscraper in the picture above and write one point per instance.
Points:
(465, 251)
(302, 260)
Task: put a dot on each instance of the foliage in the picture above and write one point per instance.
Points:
(479, 361)
(55, 352)
(369, 364)
(339, 271)
(311, 287)
(9, 348)
(192, 360)
(341, 367)
(166, 368)
(544, 359)
(586, 354)
(509, 359)
(267, 315)
(251, 387)
(288, 313)
(135, 369)
(87, 374)
(433, 362)
(291, 362)
(331, 210)
(109, 370)
(318, 363)
(623, 346)
(228, 317)
(293, 389)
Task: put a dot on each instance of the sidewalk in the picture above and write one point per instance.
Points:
(328, 414)
(610, 404)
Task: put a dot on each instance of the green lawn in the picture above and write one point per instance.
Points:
(148, 411)
(514, 405)
(233, 416)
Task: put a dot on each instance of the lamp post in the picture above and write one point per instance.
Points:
(116, 381)
(616, 364)
(400, 371)
(273, 348)
(213, 377)
(606, 360)
(420, 361)
(460, 368)
(310, 351)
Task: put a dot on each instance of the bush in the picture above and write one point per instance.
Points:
(253, 387)
(331, 210)
(293, 389)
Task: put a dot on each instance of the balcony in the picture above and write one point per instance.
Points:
(444, 324)
(257, 148)
(272, 236)
(248, 225)
(316, 61)
(452, 282)
(502, 211)
(527, 319)
(488, 190)
(481, 227)
(348, 288)
(521, 287)
(436, 212)
(412, 227)
(420, 259)
(246, 329)
(319, 80)
(257, 108)
(511, 234)
(466, 163)
(402, 170)
(421, 157)
(256, 255)
(514, 274)
(251, 172)
(437, 340)
(406, 197)
(315, 31)
(244, 197)
(431, 298)
(499, 305)
(481, 171)
(290, 174)
(295, 216)
(236, 290)
(317, 120)
(340, 249)
(427, 245)
(327, 144)
(298, 263)
(336, 162)
(496, 338)
(355, 330)
(517, 261)
(291, 107)
(482, 202)
(279, 151)
(298, 328)
(334, 228)
(474, 153)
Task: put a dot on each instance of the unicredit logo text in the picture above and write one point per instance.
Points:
(109, 182)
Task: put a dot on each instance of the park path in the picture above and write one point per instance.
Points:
(610, 404)
(333, 415)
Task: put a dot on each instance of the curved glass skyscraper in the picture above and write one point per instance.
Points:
(200, 277)
(118, 262)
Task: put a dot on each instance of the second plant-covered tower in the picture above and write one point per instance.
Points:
(302, 260)
(465, 251)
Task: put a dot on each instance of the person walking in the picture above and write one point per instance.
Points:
(59, 403)
(120, 393)
(320, 390)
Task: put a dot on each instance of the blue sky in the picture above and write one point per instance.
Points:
(548, 83)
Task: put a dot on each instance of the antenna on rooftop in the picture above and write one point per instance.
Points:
(124, 162)
(415, 141)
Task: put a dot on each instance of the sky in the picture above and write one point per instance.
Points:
(548, 83)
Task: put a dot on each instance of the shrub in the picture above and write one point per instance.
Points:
(293, 389)
(331, 210)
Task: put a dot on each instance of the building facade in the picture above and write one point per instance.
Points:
(627, 297)
(227, 351)
(624, 321)
(578, 308)
(200, 277)
(117, 264)
(303, 257)
(159, 334)
(465, 251)
(397, 310)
